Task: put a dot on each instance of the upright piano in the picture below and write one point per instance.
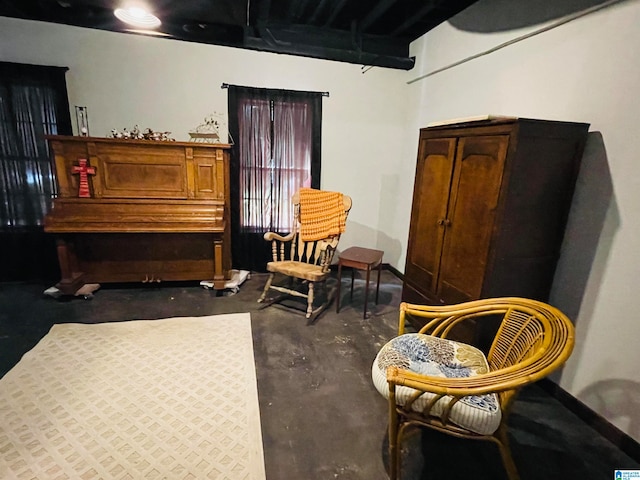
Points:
(140, 211)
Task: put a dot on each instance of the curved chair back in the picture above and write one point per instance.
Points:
(532, 340)
(316, 252)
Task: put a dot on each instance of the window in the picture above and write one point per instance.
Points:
(277, 151)
(274, 170)
(33, 103)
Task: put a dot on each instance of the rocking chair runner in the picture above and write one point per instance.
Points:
(305, 254)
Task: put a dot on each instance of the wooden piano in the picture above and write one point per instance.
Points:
(140, 211)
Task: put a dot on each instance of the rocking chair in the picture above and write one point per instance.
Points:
(304, 256)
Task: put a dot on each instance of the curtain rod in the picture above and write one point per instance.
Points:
(324, 94)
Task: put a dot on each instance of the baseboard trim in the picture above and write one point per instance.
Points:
(394, 270)
(612, 433)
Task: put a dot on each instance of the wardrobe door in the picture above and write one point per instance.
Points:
(469, 223)
(430, 201)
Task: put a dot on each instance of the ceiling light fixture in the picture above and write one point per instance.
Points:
(137, 16)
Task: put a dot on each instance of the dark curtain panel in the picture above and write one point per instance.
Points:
(33, 103)
(277, 137)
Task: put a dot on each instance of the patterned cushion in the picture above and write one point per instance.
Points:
(440, 357)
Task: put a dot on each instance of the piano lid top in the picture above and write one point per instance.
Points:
(127, 141)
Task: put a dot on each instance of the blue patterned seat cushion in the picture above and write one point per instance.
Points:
(440, 357)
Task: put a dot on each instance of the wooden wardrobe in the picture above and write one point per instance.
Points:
(490, 204)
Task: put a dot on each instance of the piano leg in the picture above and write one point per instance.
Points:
(219, 281)
(71, 278)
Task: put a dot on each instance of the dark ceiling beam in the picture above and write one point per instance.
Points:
(334, 12)
(375, 13)
(330, 44)
(415, 18)
(318, 10)
(267, 36)
(296, 9)
(270, 44)
(356, 36)
(264, 7)
(428, 7)
(9, 8)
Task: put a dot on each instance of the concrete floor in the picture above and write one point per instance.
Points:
(321, 416)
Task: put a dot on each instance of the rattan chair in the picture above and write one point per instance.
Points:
(303, 263)
(533, 339)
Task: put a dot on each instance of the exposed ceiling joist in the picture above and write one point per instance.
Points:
(342, 30)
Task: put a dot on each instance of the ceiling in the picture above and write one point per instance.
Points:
(364, 32)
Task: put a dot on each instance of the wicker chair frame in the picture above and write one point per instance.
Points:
(533, 340)
(304, 264)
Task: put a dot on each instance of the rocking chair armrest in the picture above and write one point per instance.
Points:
(270, 236)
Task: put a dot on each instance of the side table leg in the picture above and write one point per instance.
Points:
(378, 285)
(352, 269)
(366, 291)
(339, 282)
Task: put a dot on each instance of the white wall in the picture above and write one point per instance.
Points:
(585, 70)
(167, 85)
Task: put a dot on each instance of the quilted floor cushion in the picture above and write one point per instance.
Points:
(435, 356)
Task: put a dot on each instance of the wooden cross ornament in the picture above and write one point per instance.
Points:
(83, 170)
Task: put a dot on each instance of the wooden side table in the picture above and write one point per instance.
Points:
(362, 259)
